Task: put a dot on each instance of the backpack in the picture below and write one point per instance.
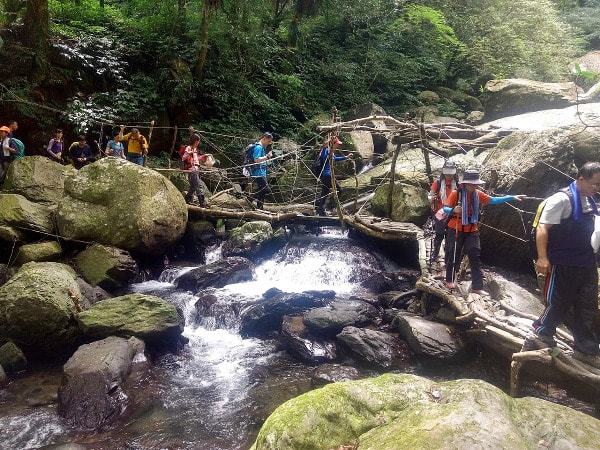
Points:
(183, 165)
(317, 165)
(248, 159)
(531, 226)
(19, 146)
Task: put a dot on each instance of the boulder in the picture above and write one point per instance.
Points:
(91, 393)
(38, 304)
(300, 343)
(409, 203)
(431, 339)
(266, 315)
(334, 373)
(146, 317)
(333, 318)
(371, 347)
(38, 179)
(39, 251)
(234, 269)
(90, 294)
(248, 239)
(16, 211)
(117, 203)
(12, 358)
(199, 234)
(403, 411)
(510, 96)
(108, 267)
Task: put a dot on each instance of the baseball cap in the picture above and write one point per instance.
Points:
(5, 128)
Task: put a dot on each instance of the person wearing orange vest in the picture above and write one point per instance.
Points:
(462, 230)
(438, 193)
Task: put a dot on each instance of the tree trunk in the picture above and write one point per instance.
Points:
(37, 34)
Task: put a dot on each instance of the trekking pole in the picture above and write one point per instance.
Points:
(454, 257)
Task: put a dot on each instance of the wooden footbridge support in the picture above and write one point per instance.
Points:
(499, 326)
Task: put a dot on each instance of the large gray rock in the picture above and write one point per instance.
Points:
(248, 239)
(373, 347)
(509, 96)
(114, 202)
(16, 211)
(147, 317)
(234, 269)
(405, 411)
(39, 251)
(331, 319)
(37, 178)
(108, 267)
(91, 393)
(409, 203)
(301, 343)
(426, 338)
(38, 304)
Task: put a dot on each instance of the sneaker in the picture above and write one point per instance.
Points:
(544, 341)
(592, 360)
(481, 292)
(450, 285)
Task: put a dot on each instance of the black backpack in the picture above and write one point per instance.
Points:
(317, 165)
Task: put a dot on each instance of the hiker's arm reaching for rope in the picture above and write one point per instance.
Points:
(505, 198)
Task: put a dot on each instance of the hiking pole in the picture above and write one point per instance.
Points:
(454, 258)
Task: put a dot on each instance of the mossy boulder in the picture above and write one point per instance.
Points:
(248, 239)
(37, 178)
(107, 267)
(39, 251)
(405, 411)
(12, 358)
(38, 304)
(114, 202)
(18, 212)
(146, 317)
(409, 203)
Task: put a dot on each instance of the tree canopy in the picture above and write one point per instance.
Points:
(240, 65)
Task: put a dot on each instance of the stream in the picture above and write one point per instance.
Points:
(218, 391)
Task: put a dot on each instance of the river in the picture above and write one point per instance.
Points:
(217, 392)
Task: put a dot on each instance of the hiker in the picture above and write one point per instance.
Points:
(7, 151)
(462, 232)
(114, 147)
(13, 125)
(55, 146)
(438, 193)
(259, 169)
(325, 177)
(567, 259)
(80, 153)
(192, 160)
(137, 145)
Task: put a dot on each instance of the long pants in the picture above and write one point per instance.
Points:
(566, 287)
(456, 243)
(195, 188)
(325, 191)
(262, 190)
(439, 227)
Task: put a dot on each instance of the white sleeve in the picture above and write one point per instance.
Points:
(557, 208)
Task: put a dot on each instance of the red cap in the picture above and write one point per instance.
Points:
(335, 140)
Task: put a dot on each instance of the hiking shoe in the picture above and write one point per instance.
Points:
(591, 360)
(544, 341)
(481, 292)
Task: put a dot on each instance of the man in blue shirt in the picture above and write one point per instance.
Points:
(259, 169)
(326, 183)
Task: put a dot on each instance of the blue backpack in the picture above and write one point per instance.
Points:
(18, 146)
(249, 158)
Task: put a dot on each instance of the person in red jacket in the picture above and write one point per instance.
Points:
(192, 160)
(438, 193)
(462, 206)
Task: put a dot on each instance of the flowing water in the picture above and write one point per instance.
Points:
(215, 394)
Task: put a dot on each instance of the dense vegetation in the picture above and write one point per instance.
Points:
(235, 66)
